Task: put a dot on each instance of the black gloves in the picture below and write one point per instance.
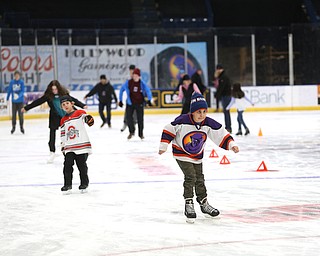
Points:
(120, 104)
(89, 120)
(149, 103)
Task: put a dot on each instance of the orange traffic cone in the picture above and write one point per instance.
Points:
(224, 160)
(262, 167)
(213, 154)
(260, 132)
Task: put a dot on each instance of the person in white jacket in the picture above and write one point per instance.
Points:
(240, 100)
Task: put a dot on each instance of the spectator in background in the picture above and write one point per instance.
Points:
(196, 78)
(216, 85)
(181, 75)
(16, 91)
(105, 93)
(125, 123)
(240, 101)
(186, 90)
(136, 91)
(52, 96)
(224, 93)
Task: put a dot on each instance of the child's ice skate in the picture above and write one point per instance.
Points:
(51, 158)
(206, 208)
(83, 188)
(189, 211)
(66, 190)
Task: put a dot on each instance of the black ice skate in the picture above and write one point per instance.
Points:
(83, 188)
(66, 190)
(189, 211)
(239, 133)
(208, 209)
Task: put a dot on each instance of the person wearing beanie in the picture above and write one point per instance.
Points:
(75, 143)
(185, 92)
(136, 91)
(188, 134)
(106, 94)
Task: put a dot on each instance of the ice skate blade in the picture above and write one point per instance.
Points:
(68, 192)
(210, 216)
(83, 191)
(190, 220)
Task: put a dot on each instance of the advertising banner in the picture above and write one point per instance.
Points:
(79, 67)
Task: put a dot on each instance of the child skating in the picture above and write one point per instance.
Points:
(240, 101)
(188, 134)
(75, 143)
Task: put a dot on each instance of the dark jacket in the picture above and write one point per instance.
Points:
(54, 118)
(224, 88)
(105, 92)
(196, 78)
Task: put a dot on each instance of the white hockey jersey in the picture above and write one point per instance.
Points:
(74, 137)
(189, 138)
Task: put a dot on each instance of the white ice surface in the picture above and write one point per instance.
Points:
(135, 206)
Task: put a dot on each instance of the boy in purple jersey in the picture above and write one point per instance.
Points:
(188, 134)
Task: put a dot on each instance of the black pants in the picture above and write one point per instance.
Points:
(193, 180)
(52, 140)
(126, 114)
(81, 162)
(101, 108)
(16, 107)
(225, 100)
(140, 113)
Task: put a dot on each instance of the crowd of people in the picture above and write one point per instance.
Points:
(193, 119)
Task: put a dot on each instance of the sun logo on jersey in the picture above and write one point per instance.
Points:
(72, 133)
(193, 142)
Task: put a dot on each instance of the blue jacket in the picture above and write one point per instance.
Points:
(16, 90)
(125, 87)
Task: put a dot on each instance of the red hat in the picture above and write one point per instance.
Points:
(136, 71)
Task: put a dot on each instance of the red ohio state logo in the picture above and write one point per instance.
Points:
(72, 132)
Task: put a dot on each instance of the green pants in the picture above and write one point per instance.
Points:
(193, 180)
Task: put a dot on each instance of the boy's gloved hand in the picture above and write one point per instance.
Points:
(89, 120)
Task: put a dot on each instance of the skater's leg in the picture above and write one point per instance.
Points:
(189, 178)
(81, 161)
(130, 123)
(14, 115)
(200, 187)
(108, 105)
(20, 114)
(139, 110)
(68, 168)
(52, 140)
(101, 107)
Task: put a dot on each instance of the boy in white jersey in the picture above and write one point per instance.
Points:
(75, 143)
(188, 134)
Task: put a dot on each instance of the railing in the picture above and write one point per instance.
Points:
(251, 56)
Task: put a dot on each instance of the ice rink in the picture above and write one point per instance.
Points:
(134, 205)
